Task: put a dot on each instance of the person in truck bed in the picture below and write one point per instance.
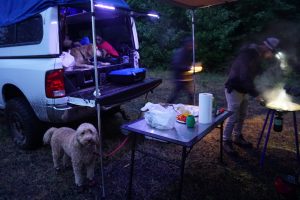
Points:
(102, 44)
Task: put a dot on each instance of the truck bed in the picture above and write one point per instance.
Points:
(80, 84)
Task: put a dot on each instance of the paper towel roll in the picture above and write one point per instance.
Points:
(205, 108)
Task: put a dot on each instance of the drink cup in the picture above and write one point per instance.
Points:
(190, 121)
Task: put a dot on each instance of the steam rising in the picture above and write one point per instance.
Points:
(283, 62)
(271, 85)
(278, 99)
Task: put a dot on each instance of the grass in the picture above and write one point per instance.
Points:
(30, 174)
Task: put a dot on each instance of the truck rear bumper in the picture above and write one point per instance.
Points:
(68, 113)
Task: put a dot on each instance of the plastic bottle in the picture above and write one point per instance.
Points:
(278, 121)
(214, 107)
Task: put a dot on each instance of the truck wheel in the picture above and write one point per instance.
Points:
(23, 124)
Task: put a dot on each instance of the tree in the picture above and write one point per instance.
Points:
(158, 38)
(220, 30)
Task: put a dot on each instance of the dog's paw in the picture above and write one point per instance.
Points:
(104, 63)
(89, 66)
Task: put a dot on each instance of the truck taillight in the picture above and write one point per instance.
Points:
(55, 85)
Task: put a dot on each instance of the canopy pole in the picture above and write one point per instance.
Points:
(97, 97)
(194, 68)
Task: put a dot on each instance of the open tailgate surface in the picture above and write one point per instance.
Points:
(112, 93)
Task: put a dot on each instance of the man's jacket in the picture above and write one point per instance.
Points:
(244, 69)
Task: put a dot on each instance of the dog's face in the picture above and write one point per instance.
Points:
(87, 134)
(85, 52)
(88, 49)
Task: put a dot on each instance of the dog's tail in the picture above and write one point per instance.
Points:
(48, 135)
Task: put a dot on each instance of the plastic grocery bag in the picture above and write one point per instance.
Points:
(67, 59)
(159, 117)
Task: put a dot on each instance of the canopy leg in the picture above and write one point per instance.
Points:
(194, 72)
(97, 97)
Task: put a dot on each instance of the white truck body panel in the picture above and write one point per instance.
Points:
(49, 43)
(28, 74)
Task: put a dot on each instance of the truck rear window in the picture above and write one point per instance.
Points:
(27, 32)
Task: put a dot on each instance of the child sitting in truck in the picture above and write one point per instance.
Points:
(102, 44)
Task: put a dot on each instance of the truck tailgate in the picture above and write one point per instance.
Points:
(112, 93)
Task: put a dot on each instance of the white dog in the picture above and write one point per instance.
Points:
(80, 145)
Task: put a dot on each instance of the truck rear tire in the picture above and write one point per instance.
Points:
(23, 124)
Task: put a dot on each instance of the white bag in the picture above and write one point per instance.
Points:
(161, 118)
(67, 59)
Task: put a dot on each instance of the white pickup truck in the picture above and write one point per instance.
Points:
(34, 85)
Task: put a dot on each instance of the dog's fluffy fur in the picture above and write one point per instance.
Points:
(83, 54)
(80, 145)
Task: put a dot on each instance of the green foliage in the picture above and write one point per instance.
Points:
(214, 30)
(219, 30)
(158, 38)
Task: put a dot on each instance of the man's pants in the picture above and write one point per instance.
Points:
(238, 104)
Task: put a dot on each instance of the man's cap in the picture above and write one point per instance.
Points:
(272, 43)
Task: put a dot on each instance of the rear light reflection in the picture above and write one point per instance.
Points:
(55, 85)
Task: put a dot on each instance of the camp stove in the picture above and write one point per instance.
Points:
(277, 107)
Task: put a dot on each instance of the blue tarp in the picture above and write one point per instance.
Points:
(12, 11)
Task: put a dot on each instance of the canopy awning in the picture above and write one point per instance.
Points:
(13, 11)
(198, 3)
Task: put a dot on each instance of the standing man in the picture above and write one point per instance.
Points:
(181, 64)
(239, 85)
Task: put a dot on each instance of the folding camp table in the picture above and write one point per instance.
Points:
(179, 135)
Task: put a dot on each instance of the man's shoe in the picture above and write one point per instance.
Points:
(240, 141)
(228, 148)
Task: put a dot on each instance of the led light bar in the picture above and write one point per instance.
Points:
(153, 15)
(105, 6)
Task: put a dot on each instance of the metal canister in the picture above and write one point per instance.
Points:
(278, 122)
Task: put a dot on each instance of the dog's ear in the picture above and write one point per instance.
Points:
(90, 50)
(93, 129)
(78, 135)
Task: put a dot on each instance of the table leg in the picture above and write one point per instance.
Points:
(263, 130)
(221, 143)
(131, 166)
(267, 139)
(183, 158)
(296, 135)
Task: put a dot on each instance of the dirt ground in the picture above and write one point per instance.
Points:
(29, 175)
